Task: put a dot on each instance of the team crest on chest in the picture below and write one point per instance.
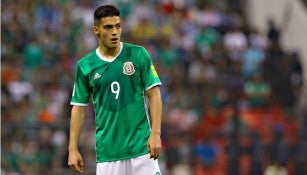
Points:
(128, 68)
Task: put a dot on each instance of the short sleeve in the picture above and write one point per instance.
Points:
(149, 75)
(81, 92)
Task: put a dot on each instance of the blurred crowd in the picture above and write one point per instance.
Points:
(229, 90)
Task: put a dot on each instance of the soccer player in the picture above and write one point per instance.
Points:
(121, 80)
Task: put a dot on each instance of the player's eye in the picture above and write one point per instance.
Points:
(117, 26)
(108, 27)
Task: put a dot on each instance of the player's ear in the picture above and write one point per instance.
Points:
(95, 29)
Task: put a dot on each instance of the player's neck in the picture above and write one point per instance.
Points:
(108, 53)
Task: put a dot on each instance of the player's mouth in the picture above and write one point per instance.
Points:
(114, 40)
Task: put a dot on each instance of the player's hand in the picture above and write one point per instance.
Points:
(154, 145)
(75, 161)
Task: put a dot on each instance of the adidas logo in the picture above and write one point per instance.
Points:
(97, 75)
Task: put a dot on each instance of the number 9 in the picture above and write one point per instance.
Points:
(115, 88)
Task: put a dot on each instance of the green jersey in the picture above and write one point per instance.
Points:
(117, 89)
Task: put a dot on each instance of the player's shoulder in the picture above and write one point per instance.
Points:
(86, 58)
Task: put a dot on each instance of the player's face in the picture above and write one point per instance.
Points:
(108, 32)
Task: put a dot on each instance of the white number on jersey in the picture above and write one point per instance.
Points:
(115, 88)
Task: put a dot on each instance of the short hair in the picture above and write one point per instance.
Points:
(105, 11)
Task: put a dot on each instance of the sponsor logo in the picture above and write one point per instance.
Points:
(128, 68)
(97, 75)
(154, 72)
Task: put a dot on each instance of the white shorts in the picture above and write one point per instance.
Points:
(141, 165)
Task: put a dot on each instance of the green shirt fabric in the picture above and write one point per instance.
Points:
(117, 88)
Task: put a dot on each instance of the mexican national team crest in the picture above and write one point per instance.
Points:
(128, 68)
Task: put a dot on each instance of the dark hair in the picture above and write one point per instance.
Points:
(105, 11)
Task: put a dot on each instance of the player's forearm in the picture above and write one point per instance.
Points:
(76, 124)
(155, 107)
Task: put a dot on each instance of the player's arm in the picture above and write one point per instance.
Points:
(75, 160)
(155, 110)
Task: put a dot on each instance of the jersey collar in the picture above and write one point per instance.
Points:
(110, 60)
